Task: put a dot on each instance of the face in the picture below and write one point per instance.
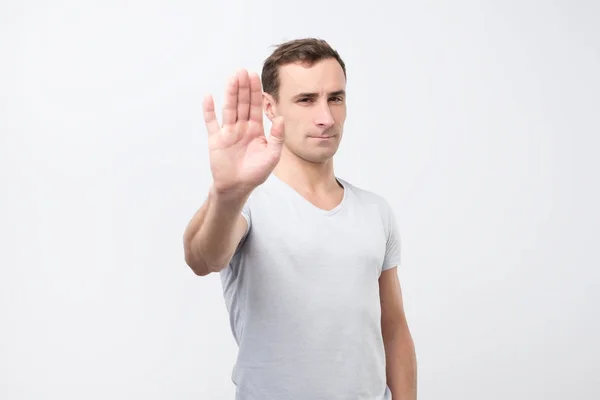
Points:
(312, 101)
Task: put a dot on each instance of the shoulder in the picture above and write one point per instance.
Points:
(368, 199)
(265, 199)
(366, 196)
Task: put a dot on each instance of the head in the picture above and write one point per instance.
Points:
(304, 81)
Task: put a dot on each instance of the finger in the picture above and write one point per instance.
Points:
(210, 117)
(243, 106)
(231, 99)
(256, 111)
(275, 141)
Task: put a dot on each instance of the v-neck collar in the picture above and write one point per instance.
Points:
(304, 200)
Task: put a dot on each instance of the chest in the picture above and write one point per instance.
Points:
(317, 253)
(319, 271)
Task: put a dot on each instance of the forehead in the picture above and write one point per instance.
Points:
(321, 77)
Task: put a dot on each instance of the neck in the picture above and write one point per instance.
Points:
(304, 175)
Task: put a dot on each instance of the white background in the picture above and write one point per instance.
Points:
(478, 121)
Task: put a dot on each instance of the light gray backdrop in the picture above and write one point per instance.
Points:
(477, 120)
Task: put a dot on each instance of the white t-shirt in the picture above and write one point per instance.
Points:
(302, 293)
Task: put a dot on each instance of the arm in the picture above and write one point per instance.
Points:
(399, 346)
(213, 234)
(241, 159)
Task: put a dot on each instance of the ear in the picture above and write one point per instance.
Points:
(269, 106)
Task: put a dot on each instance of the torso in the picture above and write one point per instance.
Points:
(302, 292)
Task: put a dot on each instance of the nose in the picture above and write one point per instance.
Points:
(324, 118)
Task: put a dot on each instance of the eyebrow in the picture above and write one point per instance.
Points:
(307, 94)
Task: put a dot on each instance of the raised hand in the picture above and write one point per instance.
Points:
(241, 157)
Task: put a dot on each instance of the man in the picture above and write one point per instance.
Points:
(308, 261)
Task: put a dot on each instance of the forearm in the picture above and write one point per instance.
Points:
(209, 238)
(401, 363)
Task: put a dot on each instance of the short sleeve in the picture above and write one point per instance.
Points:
(246, 213)
(392, 250)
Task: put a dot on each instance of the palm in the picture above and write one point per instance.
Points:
(240, 154)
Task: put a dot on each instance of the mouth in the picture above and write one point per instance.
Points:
(323, 137)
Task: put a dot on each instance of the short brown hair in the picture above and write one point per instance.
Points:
(304, 51)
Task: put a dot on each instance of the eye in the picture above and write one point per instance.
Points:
(336, 99)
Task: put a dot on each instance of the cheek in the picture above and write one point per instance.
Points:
(339, 114)
(296, 121)
(294, 131)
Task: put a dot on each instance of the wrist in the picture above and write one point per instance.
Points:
(232, 197)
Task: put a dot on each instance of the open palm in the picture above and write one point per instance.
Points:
(241, 157)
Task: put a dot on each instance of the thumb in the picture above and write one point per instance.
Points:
(277, 135)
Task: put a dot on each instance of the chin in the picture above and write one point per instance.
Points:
(320, 157)
(319, 154)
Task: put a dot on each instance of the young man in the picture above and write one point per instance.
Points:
(307, 260)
